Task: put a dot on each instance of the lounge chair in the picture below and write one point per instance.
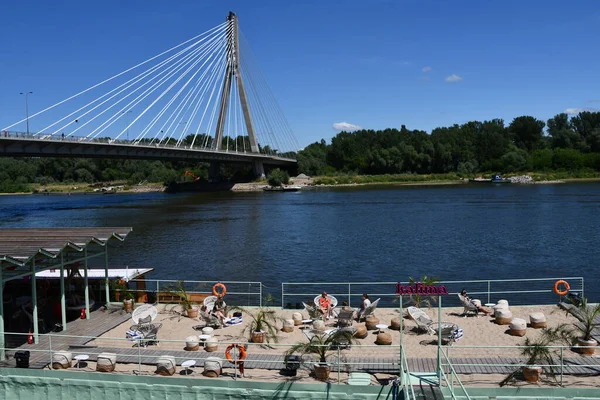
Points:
(209, 302)
(468, 306)
(368, 311)
(147, 331)
(345, 317)
(423, 321)
(313, 312)
(210, 319)
(334, 303)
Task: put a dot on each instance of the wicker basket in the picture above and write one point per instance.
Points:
(165, 365)
(371, 323)
(361, 332)
(383, 338)
(106, 362)
(62, 360)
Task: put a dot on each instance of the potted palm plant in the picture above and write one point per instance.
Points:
(122, 293)
(322, 346)
(184, 299)
(262, 326)
(538, 354)
(586, 315)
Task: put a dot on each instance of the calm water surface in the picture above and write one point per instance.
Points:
(366, 234)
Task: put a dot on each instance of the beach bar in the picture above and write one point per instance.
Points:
(25, 254)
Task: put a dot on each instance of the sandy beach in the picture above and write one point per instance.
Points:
(479, 332)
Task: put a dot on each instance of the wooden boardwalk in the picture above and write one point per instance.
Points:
(99, 323)
(487, 365)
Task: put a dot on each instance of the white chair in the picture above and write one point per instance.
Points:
(468, 306)
(369, 310)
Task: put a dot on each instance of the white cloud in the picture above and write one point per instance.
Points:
(574, 111)
(346, 126)
(453, 78)
(426, 69)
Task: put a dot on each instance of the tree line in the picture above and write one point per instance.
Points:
(526, 144)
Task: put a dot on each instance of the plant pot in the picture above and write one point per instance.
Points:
(128, 305)
(322, 371)
(192, 312)
(532, 374)
(258, 337)
(590, 348)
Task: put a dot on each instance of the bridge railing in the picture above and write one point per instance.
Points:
(83, 139)
(516, 291)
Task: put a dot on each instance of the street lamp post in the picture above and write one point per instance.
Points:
(27, 110)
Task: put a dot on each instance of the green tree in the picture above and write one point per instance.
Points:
(278, 177)
(526, 132)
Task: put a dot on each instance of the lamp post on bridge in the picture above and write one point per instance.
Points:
(27, 109)
(127, 114)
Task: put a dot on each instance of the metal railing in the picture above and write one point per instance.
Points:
(336, 360)
(83, 139)
(239, 293)
(518, 291)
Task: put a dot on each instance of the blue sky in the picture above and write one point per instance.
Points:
(374, 64)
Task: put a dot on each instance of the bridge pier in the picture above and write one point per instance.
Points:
(214, 172)
(258, 168)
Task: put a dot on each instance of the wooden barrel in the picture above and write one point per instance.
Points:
(361, 332)
(207, 331)
(383, 338)
(371, 322)
(212, 367)
(297, 318)
(319, 325)
(62, 360)
(106, 362)
(537, 320)
(518, 327)
(395, 324)
(288, 325)
(192, 343)
(165, 365)
(503, 316)
(211, 345)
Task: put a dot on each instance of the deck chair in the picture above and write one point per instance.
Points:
(468, 306)
(147, 331)
(423, 321)
(313, 312)
(345, 318)
(210, 320)
(368, 311)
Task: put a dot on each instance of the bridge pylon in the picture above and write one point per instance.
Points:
(233, 72)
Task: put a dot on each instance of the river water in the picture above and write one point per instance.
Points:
(457, 232)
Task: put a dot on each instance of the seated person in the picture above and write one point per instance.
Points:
(324, 306)
(482, 309)
(219, 310)
(366, 302)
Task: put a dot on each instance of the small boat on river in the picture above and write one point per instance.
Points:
(496, 178)
(282, 188)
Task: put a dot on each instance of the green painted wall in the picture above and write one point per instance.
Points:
(29, 384)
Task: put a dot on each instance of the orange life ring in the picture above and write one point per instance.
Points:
(561, 292)
(219, 285)
(241, 357)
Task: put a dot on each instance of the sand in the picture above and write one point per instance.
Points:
(480, 335)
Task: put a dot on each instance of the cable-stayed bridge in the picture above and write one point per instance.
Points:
(202, 100)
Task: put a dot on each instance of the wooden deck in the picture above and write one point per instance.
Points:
(100, 322)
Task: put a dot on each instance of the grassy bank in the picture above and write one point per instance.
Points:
(447, 178)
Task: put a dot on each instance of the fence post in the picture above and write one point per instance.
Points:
(282, 296)
(339, 360)
(157, 292)
(561, 365)
(260, 285)
(489, 292)
(349, 292)
(50, 348)
(139, 356)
